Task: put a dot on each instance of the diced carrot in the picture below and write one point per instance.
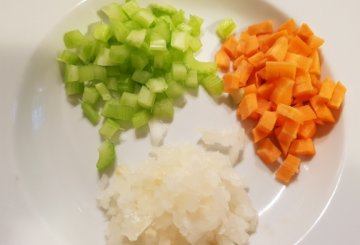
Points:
(244, 36)
(267, 151)
(322, 111)
(305, 32)
(267, 122)
(288, 169)
(237, 62)
(337, 97)
(230, 45)
(247, 106)
(258, 135)
(240, 48)
(222, 60)
(315, 64)
(277, 69)
(252, 46)
(261, 28)
(232, 81)
(307, 130)
(263, 105)
(282, 93)
(298, 46)
(319, 122)
(327, 89)
(300, 61)
(265, 90)
(271, 39)
(277, 52)
(289, 26)
(290, 112)
(303, 87)
(254, 79)
(289, 130)
(276, 82)
(257, 60)
(250, 89)
(315, 81)
(286, 134)
(307, 112)
(244, 69)
(280, 120)
(262, 74)
(315, 42)
(302, 147)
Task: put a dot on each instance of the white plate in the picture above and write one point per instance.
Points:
(48, 151)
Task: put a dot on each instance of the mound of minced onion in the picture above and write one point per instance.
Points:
(181, 194)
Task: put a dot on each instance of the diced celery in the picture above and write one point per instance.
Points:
(195, 44)
(162, 29)
(192, 79)
(100, 31)
(113, 109)
(71, 73)
(163, 8)
(74, 88)
(120, 30)
(87, 50)
(130, 8)
(139, 60)
(103, 58)
(114, 11)
(132, 25)
(109, 129)
(146, 98)
(113, 71)
(112, 84)
(176, 55)
(213, 84)
(157, 85)
(204, 68)
(174, 90)
(90, 95)
(144, 18)
(106, 155)
(180, 40)
(164, 109)
(73, 39)
(136, 37)
(184, 27)
(158, 45)
(225, 28)
(68, 57)
(129, 99)
(90, 113)
(141, 118)
(126, 85)
(167, 19)
(162, 60)
(103, 91)
(99, 73)
(119, 54)
(179, 72)
(141, 76)
(86, 73)
(178, 17)
(195, 22)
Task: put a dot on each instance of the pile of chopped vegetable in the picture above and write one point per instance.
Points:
(132, 64)
(162, 201)
(274, 76)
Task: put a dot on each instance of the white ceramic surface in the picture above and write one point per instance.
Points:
(48, 180)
